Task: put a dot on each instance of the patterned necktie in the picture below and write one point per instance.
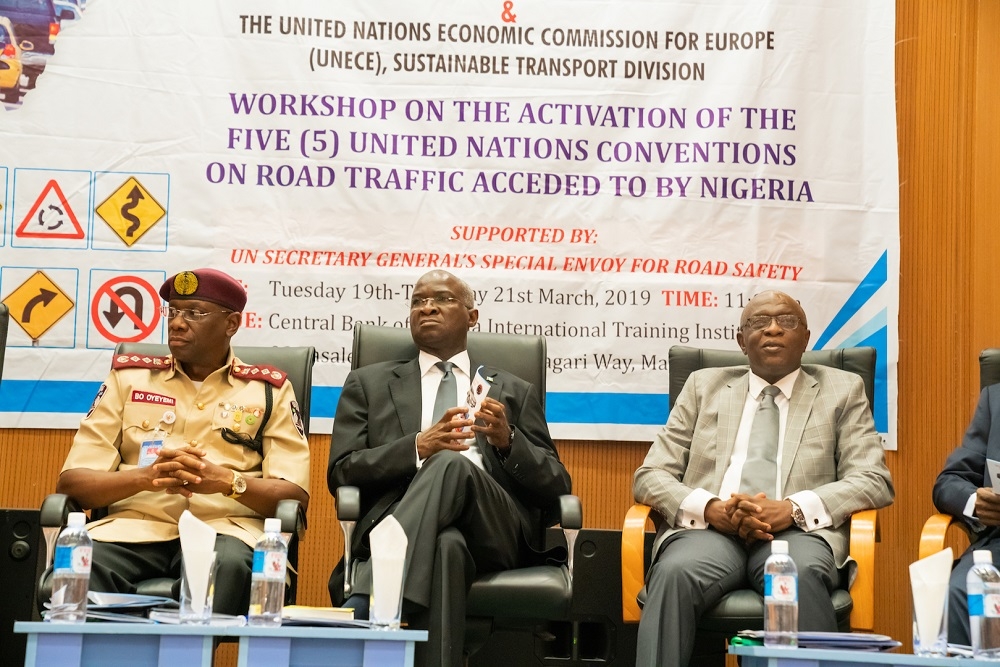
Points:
(447, 394)
(760, 471)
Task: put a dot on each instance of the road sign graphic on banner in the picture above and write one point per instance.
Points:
(125, 309)
(37, 304)
(130, 211)
(50, 217)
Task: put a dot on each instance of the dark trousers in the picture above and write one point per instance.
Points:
(695, 568)
(459, 522)
(118, 566)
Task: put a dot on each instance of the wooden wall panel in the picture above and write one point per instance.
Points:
(948, 90)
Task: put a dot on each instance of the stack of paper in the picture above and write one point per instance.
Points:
(857, 641)
(323, 616)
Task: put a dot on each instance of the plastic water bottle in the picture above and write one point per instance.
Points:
(71, 572)
(983, 588)
(781, 598)
(267, 584)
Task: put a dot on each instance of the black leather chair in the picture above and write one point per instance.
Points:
(539, 593)
(744, 609)
(297, 362)
(932, 535)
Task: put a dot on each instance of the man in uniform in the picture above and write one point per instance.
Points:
(468, 505)
(196, 430)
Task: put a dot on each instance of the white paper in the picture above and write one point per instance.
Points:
(993, 474)
(478, 390)
(388, 547)
(198, 547)
(929, 580)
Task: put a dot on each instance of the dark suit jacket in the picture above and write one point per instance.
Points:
(374, 434)
(965, 469)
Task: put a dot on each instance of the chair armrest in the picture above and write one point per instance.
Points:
(52, 518)
(571, 520)
(633, 560)
(292, 517)
(348, 512)
(932, 535)
(348, 503)
(864, 535)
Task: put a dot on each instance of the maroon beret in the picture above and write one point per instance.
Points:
(205, 285)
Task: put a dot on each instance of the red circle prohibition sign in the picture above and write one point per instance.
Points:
(108, 289)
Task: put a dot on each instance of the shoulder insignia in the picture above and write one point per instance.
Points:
(268, 374)
(140, 361)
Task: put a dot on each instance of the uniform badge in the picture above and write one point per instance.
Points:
(97, 399)
(297, 418)
(185, 283)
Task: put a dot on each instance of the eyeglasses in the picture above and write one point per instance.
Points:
(439, 300)
(188, 315)
(761, 322)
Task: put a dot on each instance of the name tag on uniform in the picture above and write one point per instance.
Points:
(149, 452)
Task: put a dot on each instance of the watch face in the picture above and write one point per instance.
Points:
(239, 483)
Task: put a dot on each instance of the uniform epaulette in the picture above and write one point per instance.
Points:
(140, 361)
(263, 373)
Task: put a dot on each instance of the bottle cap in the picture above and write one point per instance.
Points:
(982, 556)
(76, 519)
(272, 525)
(779, 547)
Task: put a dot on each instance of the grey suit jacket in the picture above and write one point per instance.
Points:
(830, 447)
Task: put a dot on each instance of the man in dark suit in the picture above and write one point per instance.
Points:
(826, 462)
(963, 490)
(468, 505)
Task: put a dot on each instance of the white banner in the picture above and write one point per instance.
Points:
(618, 175)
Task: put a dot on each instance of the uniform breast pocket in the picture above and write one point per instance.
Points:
(239, 424)
(139, 425)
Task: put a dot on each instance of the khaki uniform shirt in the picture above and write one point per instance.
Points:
(148, 398)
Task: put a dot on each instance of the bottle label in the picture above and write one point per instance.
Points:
(991, 605)
(781, 587)
(72, 559)
(271, 564)
(975, 604)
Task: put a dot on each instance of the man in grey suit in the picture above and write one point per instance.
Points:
(469, 502)
(714, 536)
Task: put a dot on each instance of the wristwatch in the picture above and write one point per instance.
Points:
(239, 486)
(797, 516)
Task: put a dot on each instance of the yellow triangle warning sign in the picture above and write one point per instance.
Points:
(50, 217)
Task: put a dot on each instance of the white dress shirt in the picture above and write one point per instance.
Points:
(430, 379)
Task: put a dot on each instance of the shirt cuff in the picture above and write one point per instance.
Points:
(814, 510)
(416, 452)
(691, 513)
(970, 508)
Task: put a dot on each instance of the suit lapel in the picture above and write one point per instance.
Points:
(732, 398)
(799, 408)
(404, 391)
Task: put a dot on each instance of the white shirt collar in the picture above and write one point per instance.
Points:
(785, 384)
(428, 361)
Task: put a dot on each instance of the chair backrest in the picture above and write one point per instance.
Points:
(685, 360)
(297, 362)
(989, 367)
(4, 321)
(523, 356)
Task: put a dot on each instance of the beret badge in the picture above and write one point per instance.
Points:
(185, 283)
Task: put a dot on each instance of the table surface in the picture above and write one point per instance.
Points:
(804, 657)
(316, 632)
